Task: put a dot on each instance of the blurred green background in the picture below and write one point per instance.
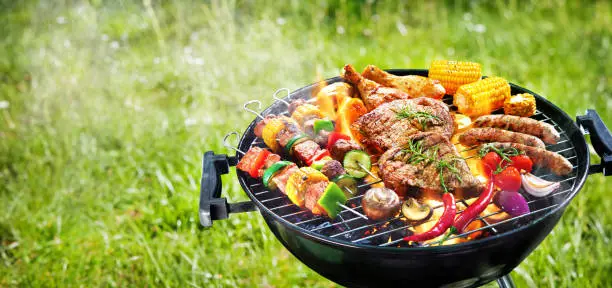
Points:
(107, 106)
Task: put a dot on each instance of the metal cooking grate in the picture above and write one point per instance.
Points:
(352, 228)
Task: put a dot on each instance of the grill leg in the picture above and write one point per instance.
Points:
(505, 282)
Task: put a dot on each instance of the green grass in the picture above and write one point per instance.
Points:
(111, 105)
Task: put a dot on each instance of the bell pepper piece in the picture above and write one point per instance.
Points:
(330, 199)
(323, 124)
(258, 163)
(334, 137)
(272, 170)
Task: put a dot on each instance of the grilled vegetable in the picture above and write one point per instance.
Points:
(330, 199)
(415, 211)
(357, 163)
(272, 128)
(294, 141)
(472, 211)
(380, 203)
(319, 164)
(271, 171)
(523, 105)
(258, 163)
(297, 182)
(306, 112)
(512, 202)
(537, 186)
(453, 74)
(509, 179)
(521, 162)
(490, 162)
(348, 112)
(347, 183)
(445, 221)
(323, 124)
(482, 97)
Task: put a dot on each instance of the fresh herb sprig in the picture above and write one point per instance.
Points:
(505, 154)
(420, 154)
(422, 116)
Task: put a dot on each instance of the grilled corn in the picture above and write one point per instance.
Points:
(305, 112)
(520, 105)
(453, 74)
(271, 130)
(482, 97)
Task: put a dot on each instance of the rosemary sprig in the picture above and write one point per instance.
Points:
(419, 154)
(450, 167)
(422, 116)
(505, 154)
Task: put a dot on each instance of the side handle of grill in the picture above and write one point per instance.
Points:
(212, 205)
(601, 140)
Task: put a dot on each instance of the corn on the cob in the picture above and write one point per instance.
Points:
(482, 97)
(453, 74)
(523, 105)
(271, 130)
(305, 112)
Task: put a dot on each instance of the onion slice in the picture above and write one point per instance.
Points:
(538, 187)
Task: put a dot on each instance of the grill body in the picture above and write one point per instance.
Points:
(358, 261)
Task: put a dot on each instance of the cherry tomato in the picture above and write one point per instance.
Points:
(490, 162)
(522, 162)
(509, 179)
(335, 136)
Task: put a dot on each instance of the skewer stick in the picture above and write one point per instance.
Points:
(246, 108)
(352, 210)
(229, 145)
(275, 95)
(367, 171)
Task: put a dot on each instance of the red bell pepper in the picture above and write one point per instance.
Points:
(334, 137)
(258, 163)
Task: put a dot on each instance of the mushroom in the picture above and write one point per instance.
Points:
(415, 211)
(380, 203)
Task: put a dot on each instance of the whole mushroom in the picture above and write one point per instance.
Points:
(380, 203)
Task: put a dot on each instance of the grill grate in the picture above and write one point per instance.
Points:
(351, 228)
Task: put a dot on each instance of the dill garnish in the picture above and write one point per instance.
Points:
(421, 116)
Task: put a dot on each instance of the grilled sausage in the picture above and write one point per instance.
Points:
(541, 157)
(477, 136)
(542, 130)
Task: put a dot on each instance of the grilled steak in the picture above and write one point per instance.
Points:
(332, 169)
(372, 93)
(541, 157)
(417, 166)
(477, 136)
(539, 129)
(391, 124)
(341, 147)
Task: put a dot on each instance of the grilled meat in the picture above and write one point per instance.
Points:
(392, 123)
(372, 93)
(413, 85)
(332, 169)
(304, 151)
(539, 129)
(294, 104)
(417, 166)
(341, 147)
(313, 193)
(541, 157)
(258, 130)
(322, 138)
(477, 136)
(280, 179)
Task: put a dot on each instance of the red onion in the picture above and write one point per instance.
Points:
(512, 202)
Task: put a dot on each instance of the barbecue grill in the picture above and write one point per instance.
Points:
(357, 252)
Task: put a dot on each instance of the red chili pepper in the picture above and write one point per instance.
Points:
(472, 211)
(445, 221)
(258, 163)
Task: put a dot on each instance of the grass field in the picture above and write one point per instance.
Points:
(107, 107)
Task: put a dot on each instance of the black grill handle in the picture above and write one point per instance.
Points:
(601, 140)
(212, 206)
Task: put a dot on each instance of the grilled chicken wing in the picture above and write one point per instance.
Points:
(477, 136)
(372, 93)
(413, 85)
(542, 130)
